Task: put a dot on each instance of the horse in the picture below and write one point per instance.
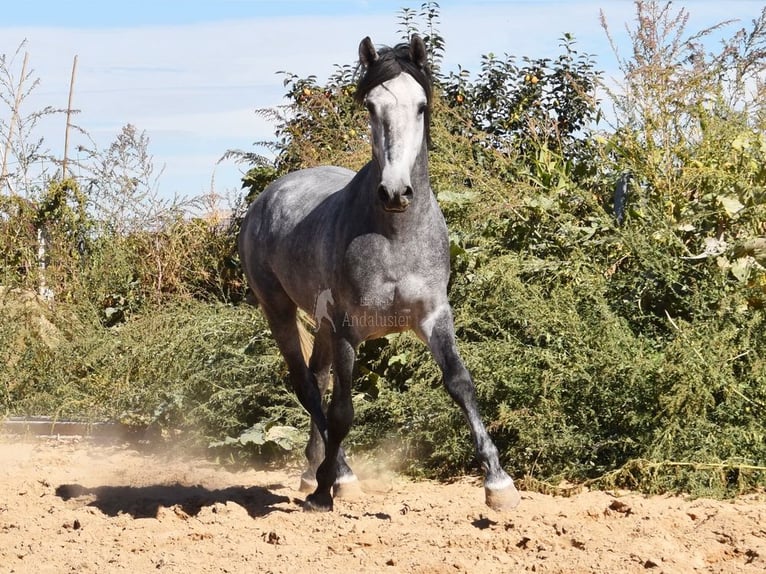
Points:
(372, 247)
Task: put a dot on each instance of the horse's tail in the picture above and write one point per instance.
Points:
(305, 336)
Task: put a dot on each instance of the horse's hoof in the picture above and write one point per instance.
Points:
(503, 498)
(308, 482)
(347, 487)
(318, 503)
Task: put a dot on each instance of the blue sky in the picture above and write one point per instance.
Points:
(191, 73)
(101, 13)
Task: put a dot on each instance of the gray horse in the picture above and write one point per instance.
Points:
(373, 247)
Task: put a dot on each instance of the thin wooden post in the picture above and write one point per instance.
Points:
(14, 120)
(68, 116)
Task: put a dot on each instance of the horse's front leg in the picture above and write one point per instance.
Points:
(340, 414)
(438, 331)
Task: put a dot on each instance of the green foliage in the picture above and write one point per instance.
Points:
(541, 103)
(266, 439)
(60, 212)
(210, 371)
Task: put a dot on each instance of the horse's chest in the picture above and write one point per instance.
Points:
(382, 276)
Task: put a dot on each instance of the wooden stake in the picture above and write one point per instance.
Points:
(68, 116)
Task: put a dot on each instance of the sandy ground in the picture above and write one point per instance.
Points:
(72, 507)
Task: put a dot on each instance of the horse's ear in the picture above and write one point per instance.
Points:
(367, 52)
(418, 51)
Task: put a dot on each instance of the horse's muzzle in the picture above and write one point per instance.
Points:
(396, 201)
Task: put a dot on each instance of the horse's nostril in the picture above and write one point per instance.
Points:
(396, 201)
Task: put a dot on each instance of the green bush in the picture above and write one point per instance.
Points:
(208, 370)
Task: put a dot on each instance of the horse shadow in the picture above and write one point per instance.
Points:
(145, 501)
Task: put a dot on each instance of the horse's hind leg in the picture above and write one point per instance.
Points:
(346, 483)
(439, 333)
(282, 315)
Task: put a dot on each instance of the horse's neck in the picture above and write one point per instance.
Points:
(421, 179)
(406, 225)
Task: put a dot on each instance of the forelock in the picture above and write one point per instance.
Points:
(390, 63)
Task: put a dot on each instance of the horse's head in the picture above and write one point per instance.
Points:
(396, 89)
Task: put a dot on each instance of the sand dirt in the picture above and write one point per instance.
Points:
(75, 507)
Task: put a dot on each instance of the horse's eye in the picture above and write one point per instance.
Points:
(422, 109)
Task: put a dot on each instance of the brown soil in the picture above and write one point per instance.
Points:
(70, 507)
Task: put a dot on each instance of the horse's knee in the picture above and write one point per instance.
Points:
(459, 384)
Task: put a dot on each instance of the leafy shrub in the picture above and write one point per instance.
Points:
(209, 370)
